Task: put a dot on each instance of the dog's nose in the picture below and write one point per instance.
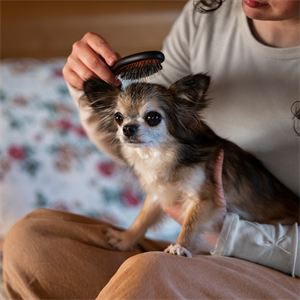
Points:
(130, 130)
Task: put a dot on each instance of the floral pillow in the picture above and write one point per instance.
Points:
(46, 159)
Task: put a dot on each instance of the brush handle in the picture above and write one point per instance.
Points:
(135, 58)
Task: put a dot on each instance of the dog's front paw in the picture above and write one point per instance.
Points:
(178, 250)
(119, 239)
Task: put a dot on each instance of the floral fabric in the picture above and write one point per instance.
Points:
(46, 159)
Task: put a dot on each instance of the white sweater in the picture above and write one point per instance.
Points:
(268, 245)
(253, 88)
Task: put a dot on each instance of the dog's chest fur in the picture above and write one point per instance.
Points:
(159, 177)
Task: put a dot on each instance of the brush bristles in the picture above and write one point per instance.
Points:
(139, 70)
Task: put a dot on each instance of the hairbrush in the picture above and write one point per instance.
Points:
(138, 66)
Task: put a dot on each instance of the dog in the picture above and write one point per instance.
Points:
(160, 133)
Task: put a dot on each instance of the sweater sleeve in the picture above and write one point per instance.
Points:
(275, 247)
(176, 48)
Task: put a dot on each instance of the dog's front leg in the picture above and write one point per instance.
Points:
(149, 215)
(198, 221)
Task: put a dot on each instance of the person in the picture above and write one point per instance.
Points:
(251, 49)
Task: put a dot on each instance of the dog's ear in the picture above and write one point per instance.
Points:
(101, 95)
(190, 91)
(102, 98)
(188, 100)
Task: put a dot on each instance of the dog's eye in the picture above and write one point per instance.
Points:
(119, 118)
(153, 118)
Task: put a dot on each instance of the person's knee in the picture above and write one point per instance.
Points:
(23, 248)
(22, 231)
(140, 276)
(20, 241)
(149, 262)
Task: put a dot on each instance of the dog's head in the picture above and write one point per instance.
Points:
(149, 115)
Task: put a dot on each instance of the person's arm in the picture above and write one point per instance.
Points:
(275, 247)
(272, 246)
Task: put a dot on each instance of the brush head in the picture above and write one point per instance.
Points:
(138, 66)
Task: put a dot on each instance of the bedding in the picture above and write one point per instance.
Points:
(46, 159)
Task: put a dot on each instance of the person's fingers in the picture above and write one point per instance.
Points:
(93, 62)
(72, 78)
(80, 68)
(175, 212)
(101, 46)
(167, 210)
(219, 166)
(218, 179)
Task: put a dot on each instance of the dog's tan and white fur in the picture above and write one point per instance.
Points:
(159, 132)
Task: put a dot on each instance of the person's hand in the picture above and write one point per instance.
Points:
(221, 202)
(175, 212)
(90, 57)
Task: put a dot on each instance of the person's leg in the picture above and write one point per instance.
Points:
(56, 255)
(157, 275)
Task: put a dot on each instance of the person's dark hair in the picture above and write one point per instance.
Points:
(207, 6)
(295, 108)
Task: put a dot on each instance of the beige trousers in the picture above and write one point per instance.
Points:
(56, 255)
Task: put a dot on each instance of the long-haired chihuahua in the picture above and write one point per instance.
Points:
(159, 132)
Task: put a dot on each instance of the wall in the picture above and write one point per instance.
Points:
(43, 29)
